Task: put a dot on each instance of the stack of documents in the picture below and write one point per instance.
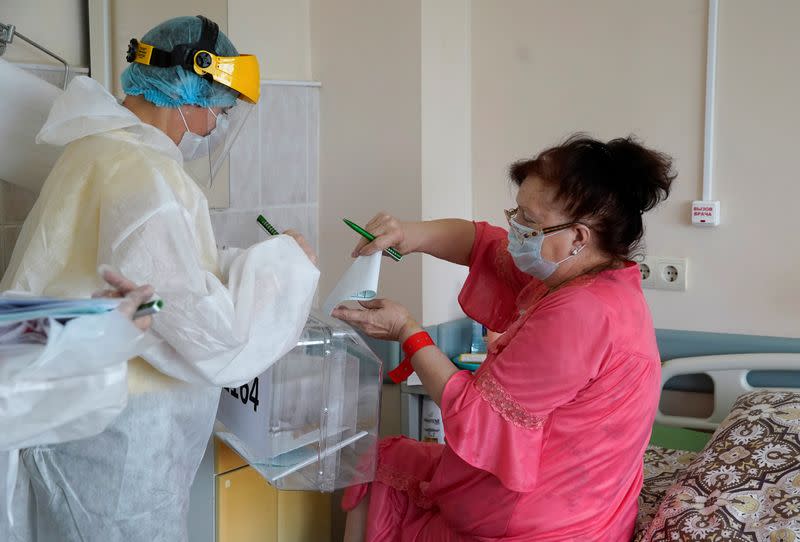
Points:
(21, 308)
(24, 319)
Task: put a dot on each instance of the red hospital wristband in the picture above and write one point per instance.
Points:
(411, 346)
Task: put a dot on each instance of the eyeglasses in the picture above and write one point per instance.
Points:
(534, 230)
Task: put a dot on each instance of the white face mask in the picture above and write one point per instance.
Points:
(217, 136)
(527, 252)
(193, 146)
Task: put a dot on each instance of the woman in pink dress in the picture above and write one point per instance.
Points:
(545, 441)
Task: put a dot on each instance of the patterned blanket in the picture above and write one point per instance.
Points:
(743, 487)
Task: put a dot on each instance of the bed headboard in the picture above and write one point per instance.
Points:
(729, 374)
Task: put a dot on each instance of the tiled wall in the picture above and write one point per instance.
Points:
(274, 168)
(15, 202)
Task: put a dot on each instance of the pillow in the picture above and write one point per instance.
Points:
(745, 484)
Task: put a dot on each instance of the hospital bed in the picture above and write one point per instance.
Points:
(743, 484)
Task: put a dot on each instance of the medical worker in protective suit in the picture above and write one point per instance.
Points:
(122, 194)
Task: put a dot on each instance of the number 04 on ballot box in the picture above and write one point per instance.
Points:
(309, 422)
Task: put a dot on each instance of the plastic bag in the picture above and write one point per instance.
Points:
(68, 388)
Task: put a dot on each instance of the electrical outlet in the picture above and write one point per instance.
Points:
(646, 269)
(670, 274)
(663, 273)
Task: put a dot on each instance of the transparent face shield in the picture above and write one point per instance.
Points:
(204, 155)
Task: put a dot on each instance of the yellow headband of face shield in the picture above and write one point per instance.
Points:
(237, 72)
(240, 73)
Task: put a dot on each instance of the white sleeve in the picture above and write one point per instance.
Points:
(226, 257)
(213, 334)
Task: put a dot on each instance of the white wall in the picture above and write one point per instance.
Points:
(59, 26)
(277, 31)
(366, 54)
(446, 143)
(544, 69)
(746, 269)
(395, 133)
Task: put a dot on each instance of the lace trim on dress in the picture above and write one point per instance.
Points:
(504, 404)
(406, 483)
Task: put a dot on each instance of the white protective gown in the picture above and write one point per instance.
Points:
(59, 390)
(118, 195)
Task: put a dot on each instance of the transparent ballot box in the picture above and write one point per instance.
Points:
(309, 422)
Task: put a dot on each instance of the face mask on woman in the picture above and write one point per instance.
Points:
(525, 247)
(194, 147)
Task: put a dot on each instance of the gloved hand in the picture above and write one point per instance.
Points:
(297, 236)
(134, 295)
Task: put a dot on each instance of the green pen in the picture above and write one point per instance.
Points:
(146, 309)
(266, 225)
(396, 256)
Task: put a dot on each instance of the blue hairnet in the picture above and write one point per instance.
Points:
(176, 86)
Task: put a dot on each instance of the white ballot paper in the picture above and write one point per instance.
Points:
(359, 283)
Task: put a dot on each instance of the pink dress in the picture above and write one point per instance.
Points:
(545, 442)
